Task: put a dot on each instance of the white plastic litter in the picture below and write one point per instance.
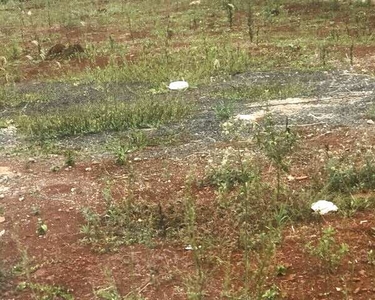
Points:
(190, 247)
(178, 85)
(323, 207)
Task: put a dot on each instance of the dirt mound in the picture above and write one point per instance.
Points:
(61, 51)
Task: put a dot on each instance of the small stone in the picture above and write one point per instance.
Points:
(32, 160)
(88, 169)
(71, 208)
(55, 168)
(2, 219)
(21, 198)
(2, 196)
(2, 232)
(370, 122)
(137, 159)
(362, 273)
(73, 190)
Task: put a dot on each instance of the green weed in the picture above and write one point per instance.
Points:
(41, 228)
(276, 145)
(127, 222)
(46, 292)
(327, 250)
(110, 116)
(345, 177)
(70, 158)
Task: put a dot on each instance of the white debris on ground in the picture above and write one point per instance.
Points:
(178, 85)
(8, 136)
(190, 247)
(314, 107)
(323, 207)
(252, 118)
(196, 2)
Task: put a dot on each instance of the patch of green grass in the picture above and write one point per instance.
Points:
(327, 250)
(5, 276)
(9, 98)
(350, 204)
(224, 110)
(346, 177)
(196, 64)
(262, 92)
(45, 292)
(370, 114)
(127, 222)
(99, 117)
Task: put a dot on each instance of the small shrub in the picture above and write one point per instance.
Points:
(229, 173)
(70, 158)
(327, 250)
(223, 110)
(276, 145)
(127, 222)
(121, 154)
(42, 227)
(350, 204)
(346, 177)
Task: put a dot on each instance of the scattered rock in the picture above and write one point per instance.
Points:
(88, 169)
(21, 198)
(4, 189)
(2, 232)
(323, 207)
(2, 196)
(2, 219)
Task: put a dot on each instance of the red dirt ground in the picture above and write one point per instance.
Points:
(61, 259)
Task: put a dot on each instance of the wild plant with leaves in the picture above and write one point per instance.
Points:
(277, 145)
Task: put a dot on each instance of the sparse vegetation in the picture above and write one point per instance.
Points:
(327, 250)
(262, 92)
(202, 198)
(346, 176)
(111, 116)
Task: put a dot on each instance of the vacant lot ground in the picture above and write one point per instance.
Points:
(112, 186)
